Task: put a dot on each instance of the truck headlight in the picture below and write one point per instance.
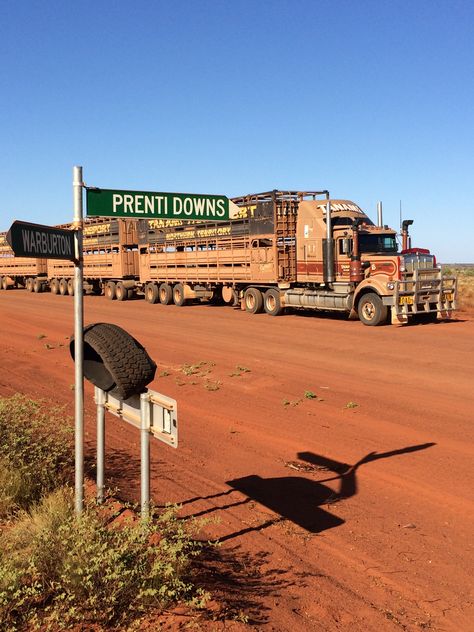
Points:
(390, 286)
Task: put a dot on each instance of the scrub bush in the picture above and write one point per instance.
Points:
(36, 451)
(57, 571)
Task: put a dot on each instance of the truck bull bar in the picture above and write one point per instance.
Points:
(423, 293)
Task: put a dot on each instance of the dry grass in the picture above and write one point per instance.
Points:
(465, 276)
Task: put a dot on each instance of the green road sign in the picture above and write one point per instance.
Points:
(41, 242)
(149, 205)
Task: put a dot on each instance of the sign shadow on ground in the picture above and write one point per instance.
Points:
(299, 499)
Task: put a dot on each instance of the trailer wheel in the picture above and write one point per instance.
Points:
(70, 287)
(165, 294)
(130, 293)
(28, 284)
(63, 287)
(253, 300)
(37, 286)
(5, 284)
(272, 303)
(120, 292)
(151, 293)
(110, 290)
(371, 310)
(114, 360)
(178, 295)
(54, 286)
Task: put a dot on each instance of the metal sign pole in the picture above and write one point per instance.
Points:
(78, 341)
(100, 401)
(145, 455)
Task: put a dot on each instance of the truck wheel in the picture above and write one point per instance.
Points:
(29, 284)
(37, 286)
(166, 294)
(70, 287)
(371, 310)
(110, 290)
(63, 287)
(253, 300)
(114, 360)
(151, 293)
(120, 292)
(54, 286)
(178, 295)
(272, 303)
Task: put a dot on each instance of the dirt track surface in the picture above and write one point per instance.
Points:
(331, 517)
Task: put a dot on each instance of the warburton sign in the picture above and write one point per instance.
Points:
(41, 242)
(147, 204)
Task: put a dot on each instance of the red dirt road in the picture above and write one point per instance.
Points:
(331, 517)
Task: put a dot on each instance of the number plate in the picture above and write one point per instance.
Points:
(405, 300)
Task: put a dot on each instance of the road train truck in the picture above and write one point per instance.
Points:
(295, 249)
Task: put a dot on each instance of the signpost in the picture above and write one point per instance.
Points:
(152, 205)
(153, 413)
(41, 242)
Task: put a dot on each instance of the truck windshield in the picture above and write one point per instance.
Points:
(377, 243)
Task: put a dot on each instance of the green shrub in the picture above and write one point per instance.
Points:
(36, 449)
(58, 571)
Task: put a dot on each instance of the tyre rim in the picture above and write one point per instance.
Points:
(250, 301)
(271, 303)
(368, 311)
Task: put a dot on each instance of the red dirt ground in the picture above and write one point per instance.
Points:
(330, 517)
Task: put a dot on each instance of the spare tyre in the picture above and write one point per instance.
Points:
(114, 360)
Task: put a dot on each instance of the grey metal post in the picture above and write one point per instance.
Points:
(78, 342)
(379, 214)
(100, 401)
(145, 454)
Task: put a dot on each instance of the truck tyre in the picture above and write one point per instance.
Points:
(54, 286)
(114, 360)
(253, 300)
(63, 287)
(70, 287)
(121, 292)
(371, 310)
(29, 284)
(37, 286)
(272, 303)
(5, 284)
(1, 282)
(166, 294)
(110, 290)
(178, 295)
(151, 293)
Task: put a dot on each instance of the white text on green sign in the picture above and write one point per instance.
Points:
(146, 204)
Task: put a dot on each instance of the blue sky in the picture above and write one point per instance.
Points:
(373, 100)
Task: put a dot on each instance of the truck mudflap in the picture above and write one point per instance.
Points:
(424, 293)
